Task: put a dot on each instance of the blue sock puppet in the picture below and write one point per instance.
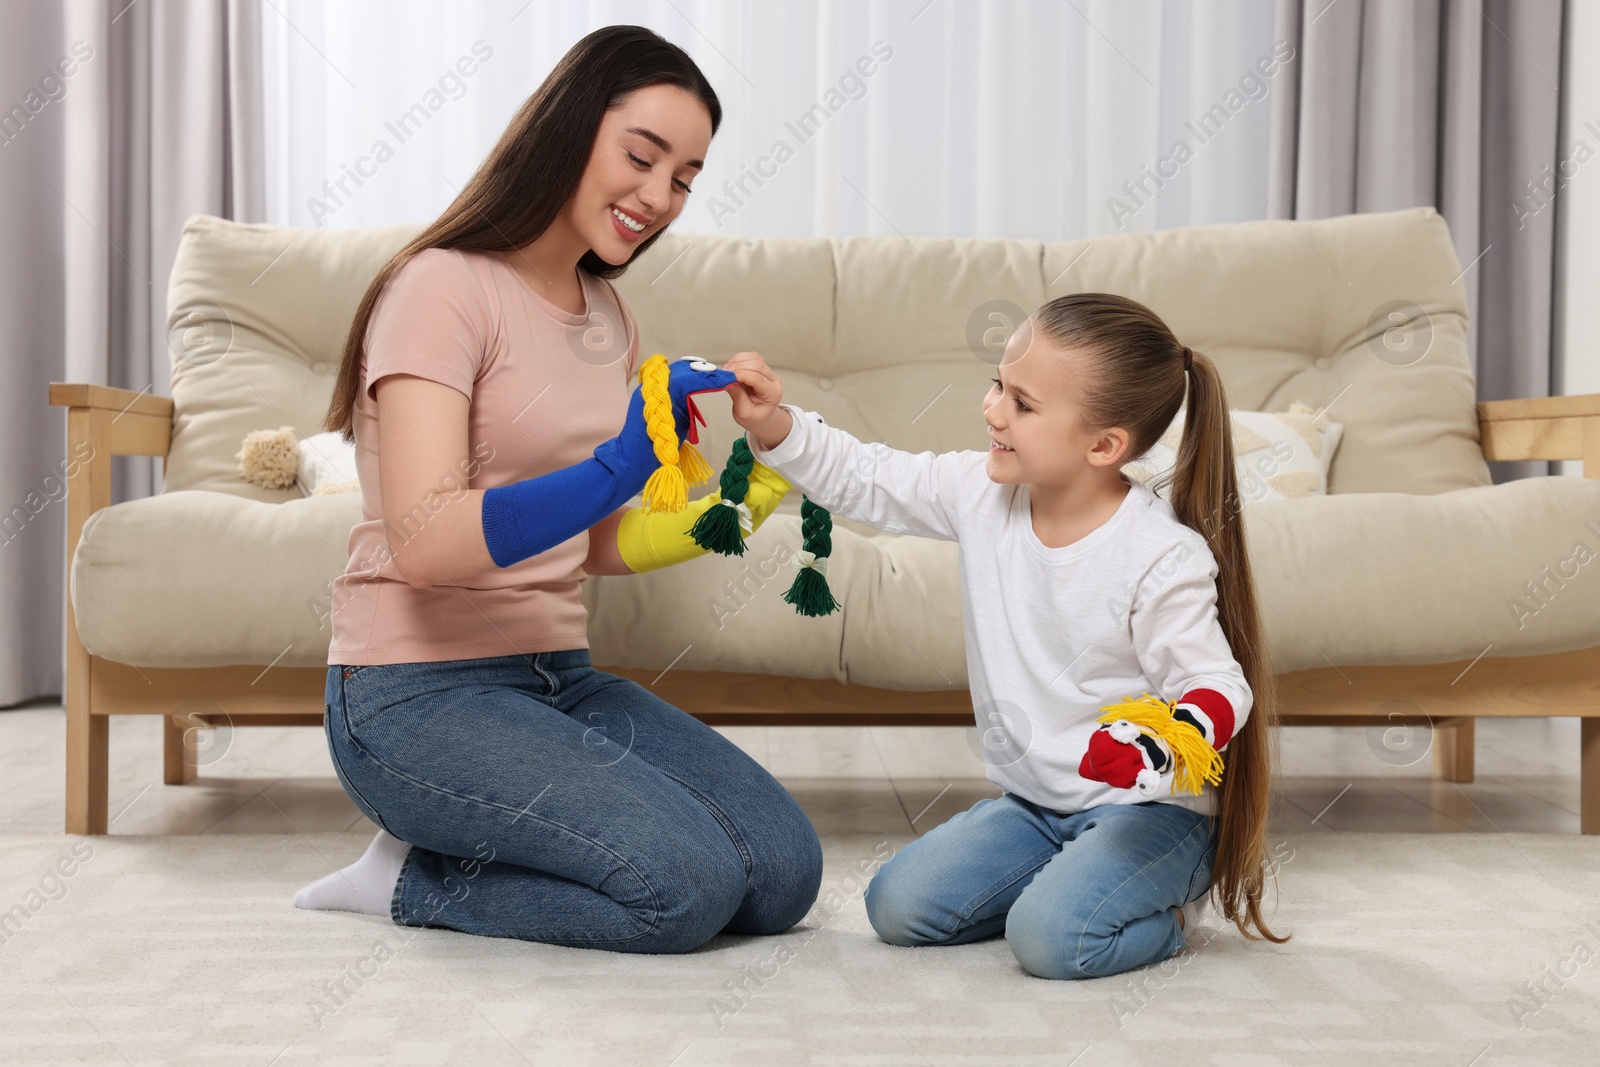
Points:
(536, 514)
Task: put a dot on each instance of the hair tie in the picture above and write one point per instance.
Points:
(1188, 358)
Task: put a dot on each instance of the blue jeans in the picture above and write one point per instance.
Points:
(1078, 896)
(549, 801)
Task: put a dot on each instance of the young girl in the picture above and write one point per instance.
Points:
(1081, 588)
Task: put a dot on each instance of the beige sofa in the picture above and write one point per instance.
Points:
(1386, 601)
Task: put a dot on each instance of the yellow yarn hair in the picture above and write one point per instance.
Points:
(681, 465)
(1194, 761)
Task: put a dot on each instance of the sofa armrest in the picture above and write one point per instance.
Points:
(139, 424)
(1542, 428)
(104, 421)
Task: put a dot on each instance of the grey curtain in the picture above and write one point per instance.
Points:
(1453, 104)
(117, 122)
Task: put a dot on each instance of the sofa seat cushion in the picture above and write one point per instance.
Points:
(195, 578)
(1391, 578)
(900, 628)
(1352, 578)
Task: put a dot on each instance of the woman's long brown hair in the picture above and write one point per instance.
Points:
(533, 169)
(1133, 377)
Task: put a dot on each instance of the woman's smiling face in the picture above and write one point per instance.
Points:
(1037, 432)
(649, 149)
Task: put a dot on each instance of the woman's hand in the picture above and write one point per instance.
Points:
(756, 396)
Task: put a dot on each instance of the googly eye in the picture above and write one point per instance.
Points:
(697, 363)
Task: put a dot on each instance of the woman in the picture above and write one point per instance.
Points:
(521, 793)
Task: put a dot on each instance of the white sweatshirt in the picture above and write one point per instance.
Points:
(1052, 634)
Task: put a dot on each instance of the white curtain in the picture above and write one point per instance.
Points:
(1042, 119)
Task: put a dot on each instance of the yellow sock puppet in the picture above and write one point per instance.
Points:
(648, 540)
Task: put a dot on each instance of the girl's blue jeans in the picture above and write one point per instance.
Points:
(1084, 895)
(549, 801)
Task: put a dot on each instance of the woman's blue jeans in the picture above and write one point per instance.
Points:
(549, 801)
(1084, 895)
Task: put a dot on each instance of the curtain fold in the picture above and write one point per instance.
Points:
(1452, 104)
(159, 118)
(1026, 119)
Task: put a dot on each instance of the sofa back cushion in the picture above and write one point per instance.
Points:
(256, 320)
(895, 339)
(1289, 311)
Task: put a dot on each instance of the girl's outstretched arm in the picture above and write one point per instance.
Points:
(885, 488)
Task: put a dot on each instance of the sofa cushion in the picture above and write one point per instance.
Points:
(883, 335)
(1418, 579)
(194, 578)
(899, 625)
(1351, 578)
(1390, 578)
(1300, 311)
(1288, 311)
(257, 317)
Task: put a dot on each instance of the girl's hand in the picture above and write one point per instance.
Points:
(756, 396)
(1123, 757)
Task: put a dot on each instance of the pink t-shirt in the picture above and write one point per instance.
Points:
(545, 388)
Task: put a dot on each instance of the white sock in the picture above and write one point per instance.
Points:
(366, 886)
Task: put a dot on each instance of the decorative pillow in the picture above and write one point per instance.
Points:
(1278, 455)
(327, 464)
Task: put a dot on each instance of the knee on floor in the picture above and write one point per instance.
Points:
(693, 909)
(902, 912)
(788, 887)
(1045, 946)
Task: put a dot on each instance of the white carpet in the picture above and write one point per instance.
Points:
(1407, 948)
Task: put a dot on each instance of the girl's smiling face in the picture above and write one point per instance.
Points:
(1038, 434)
(649, 148)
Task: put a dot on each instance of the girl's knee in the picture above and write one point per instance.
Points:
(1064, 943)
(1045, 945)
(887, 912)
(1043, 960)
(901, 911)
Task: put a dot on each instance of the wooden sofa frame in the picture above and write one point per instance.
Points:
(115, 422)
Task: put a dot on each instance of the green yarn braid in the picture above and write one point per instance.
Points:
(810, 594)
(717, 528)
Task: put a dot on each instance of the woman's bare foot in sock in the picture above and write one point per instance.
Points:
(366, 886)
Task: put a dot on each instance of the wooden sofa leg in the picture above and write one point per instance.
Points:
(87, 748)
(178, 764)
(1589, 776)
(1454, 749)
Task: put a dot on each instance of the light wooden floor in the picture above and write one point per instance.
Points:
(849, 779)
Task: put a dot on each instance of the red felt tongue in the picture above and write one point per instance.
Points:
(694, 412)
(694, 416)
